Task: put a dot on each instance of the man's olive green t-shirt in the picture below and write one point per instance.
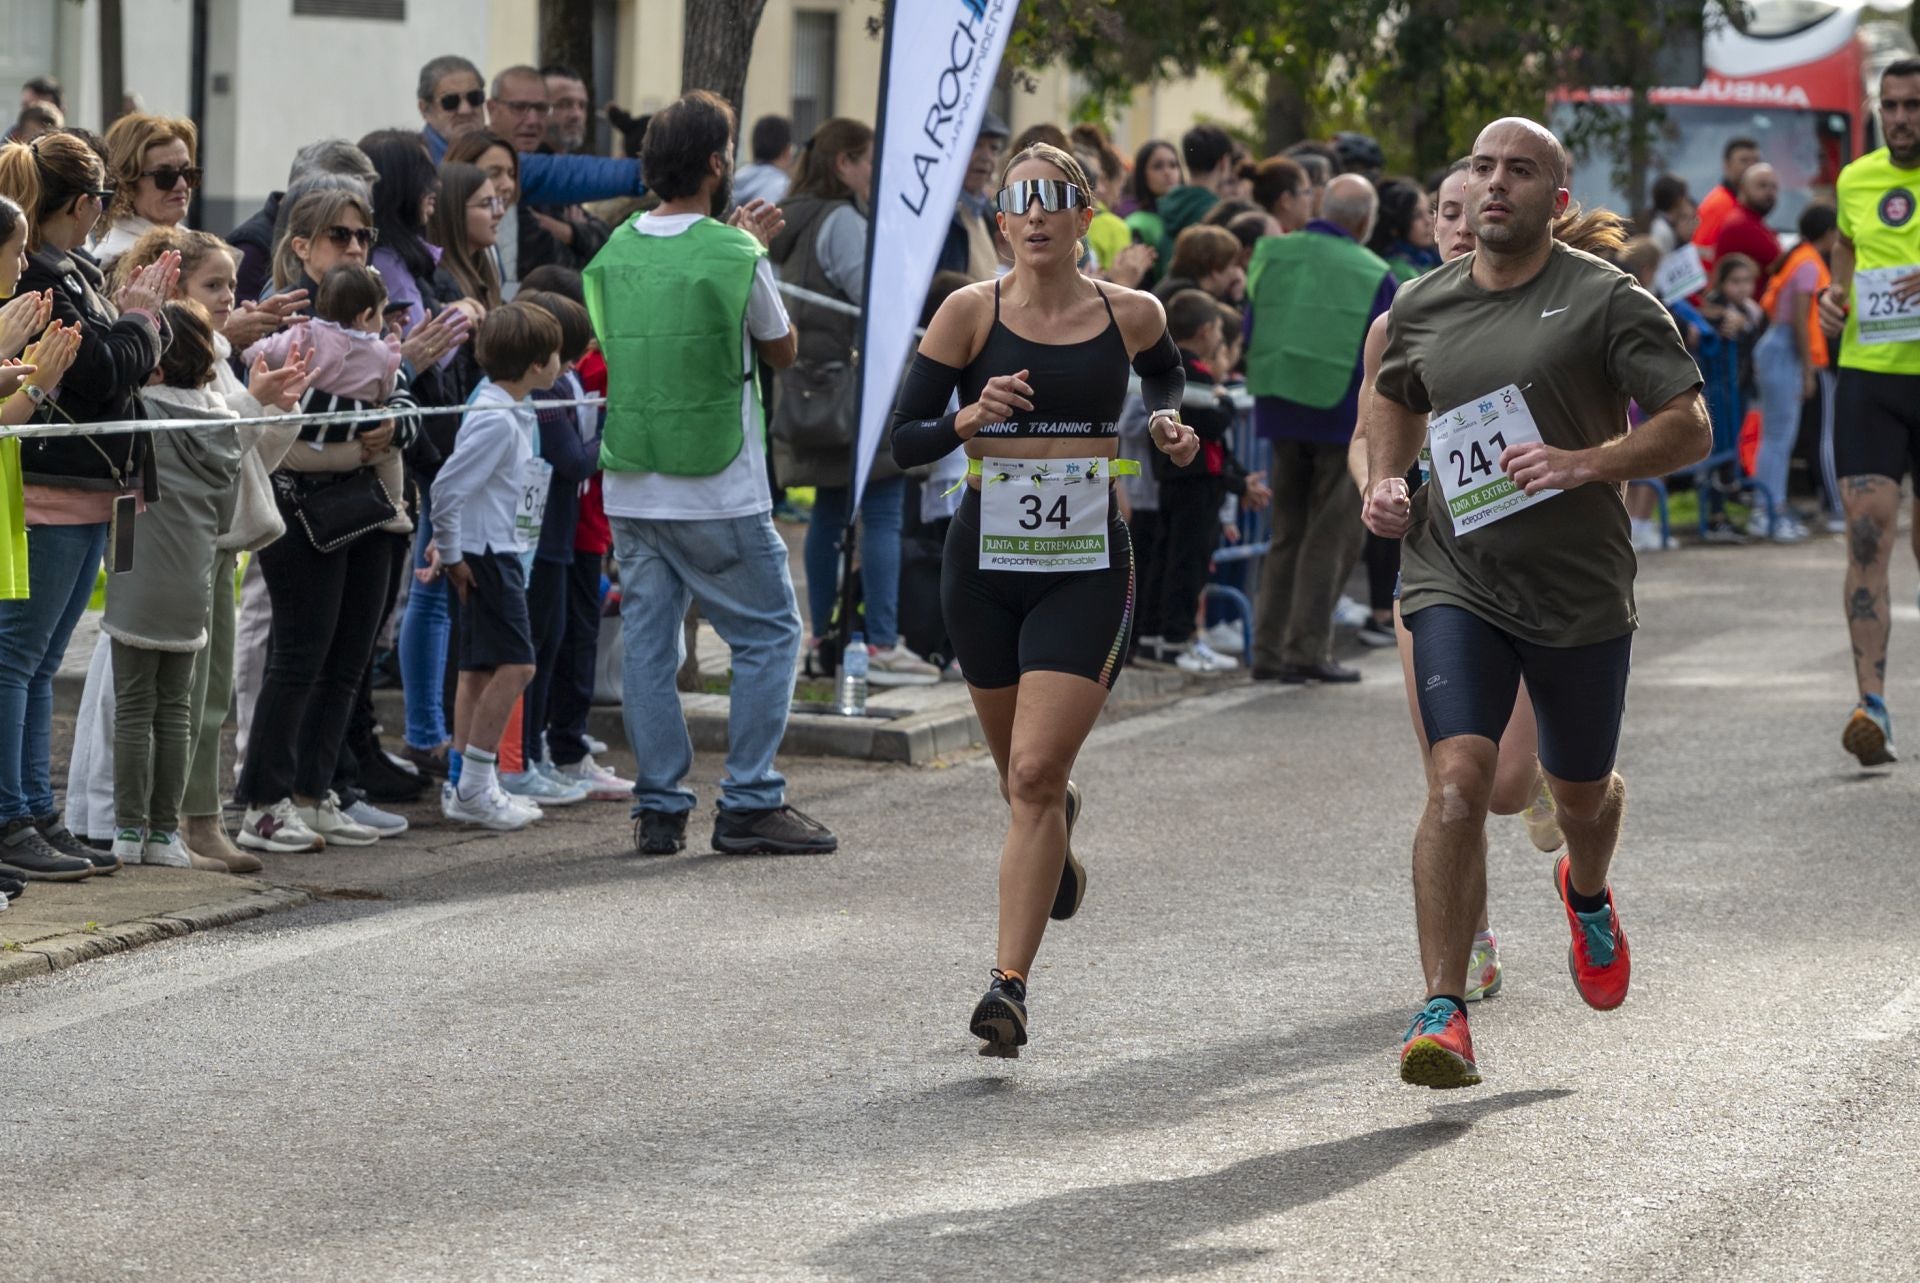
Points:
(1578, 340)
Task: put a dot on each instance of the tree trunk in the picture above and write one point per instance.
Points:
(1286, 116)
(719, 44)
(113, 78)
(688, 678)
(566, 37)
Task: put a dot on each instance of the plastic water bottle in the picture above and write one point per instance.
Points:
(853, 677)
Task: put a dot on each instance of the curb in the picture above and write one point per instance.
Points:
(55, 953)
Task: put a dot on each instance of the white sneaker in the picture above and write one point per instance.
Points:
(385, 823)
(491, 810)
(1757, 524)
(540, 789)
(1646, 537)
(129, 846)
(1198, 657)
(278, 828)
(594, 746)
(898, 666)
(1226, 639)
(602, 785)
(1788, 529)
(335, 825)
(165, 849)
(1348, 613)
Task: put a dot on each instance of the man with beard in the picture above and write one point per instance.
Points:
(1745, 229)
(682, 305)
(1876, 293)
(1517, 362)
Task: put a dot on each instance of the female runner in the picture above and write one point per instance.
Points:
(1518, 785)
(1037, 586)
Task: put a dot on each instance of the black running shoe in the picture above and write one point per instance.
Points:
(779, 831)
(12, 888)
(386, 783)
(660, 833)
(54, 832)
(1073, 875)
(1001, 1017)
(22, 848)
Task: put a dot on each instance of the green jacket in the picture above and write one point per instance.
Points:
(670, 313)
(1180, 209)
(1311, 296)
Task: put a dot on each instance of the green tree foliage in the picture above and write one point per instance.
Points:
(1423, 75)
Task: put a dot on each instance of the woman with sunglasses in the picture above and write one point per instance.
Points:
(154, 176)
(74, 486)
(327, 605)
(1037, 585)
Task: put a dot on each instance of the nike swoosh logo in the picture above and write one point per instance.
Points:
(1556, 311)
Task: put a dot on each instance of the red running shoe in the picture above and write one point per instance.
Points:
(1438, 1051)
(1597, 959)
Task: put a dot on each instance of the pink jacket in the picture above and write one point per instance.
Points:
(340, 362)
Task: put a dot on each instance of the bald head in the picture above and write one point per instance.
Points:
(1759, 188)
(1516, 135)
(1350, 204)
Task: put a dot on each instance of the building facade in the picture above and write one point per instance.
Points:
(279, 73)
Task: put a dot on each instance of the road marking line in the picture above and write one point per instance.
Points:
(1895, 1020)
(59, 1011)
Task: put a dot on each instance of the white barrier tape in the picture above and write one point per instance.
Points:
(41, 430)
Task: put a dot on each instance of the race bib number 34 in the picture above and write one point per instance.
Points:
(1467, 443)
(1884, 317)
(1043, 514)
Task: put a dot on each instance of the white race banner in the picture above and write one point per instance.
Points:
(938, 69)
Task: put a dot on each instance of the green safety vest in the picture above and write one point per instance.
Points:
(669, 313)
(1312, 297)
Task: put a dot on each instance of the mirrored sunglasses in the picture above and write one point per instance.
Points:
(1053, 194)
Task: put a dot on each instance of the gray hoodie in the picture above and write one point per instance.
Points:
(161, 604)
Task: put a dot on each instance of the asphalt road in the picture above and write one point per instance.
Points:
(547, 1059)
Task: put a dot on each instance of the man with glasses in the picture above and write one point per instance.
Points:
(451, 97)
(1875, 296)
(970, 246)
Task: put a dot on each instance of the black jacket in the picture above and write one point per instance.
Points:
(116, 357)
(1214, 461)
(254, 240)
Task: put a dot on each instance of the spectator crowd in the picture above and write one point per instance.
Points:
(458, 517)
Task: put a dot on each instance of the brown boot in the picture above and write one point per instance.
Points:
(207, 838)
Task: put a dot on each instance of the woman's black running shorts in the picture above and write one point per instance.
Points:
(1007, 622)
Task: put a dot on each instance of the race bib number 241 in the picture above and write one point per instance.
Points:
(1467, 442)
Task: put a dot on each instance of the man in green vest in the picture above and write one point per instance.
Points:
(682, 305)
(1311, 296)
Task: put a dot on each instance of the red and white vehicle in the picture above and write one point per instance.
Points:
(1801, 80)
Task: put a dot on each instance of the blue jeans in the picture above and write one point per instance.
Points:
(736, 568)
(1776, 368)
(62, 562)
(882, 511)
(424, 633)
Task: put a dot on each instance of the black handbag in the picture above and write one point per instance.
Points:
(814, 412)
(336, 513)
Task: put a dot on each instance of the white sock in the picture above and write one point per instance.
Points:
(477, 775)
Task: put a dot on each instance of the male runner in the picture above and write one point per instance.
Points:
(1516, 560)
(1876, 288)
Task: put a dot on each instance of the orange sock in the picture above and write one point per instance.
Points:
(513, 760)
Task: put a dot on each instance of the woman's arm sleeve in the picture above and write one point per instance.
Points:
(923, 431)
(1163, 380)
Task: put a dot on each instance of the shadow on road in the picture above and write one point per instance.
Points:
(1145, 1229)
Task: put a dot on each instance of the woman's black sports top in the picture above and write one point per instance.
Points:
(1079, 389)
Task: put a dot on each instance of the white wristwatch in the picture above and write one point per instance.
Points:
(35, 393)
